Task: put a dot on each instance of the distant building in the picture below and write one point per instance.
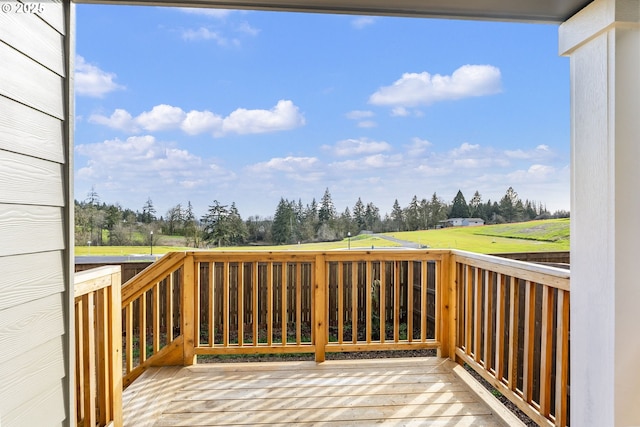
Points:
(462, 222)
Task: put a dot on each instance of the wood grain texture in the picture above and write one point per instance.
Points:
(30, 181)
(28, 82)
(29, 374)
(30, 277)
(21, 29)
(30, 229)
(31, 132)
(418, 391)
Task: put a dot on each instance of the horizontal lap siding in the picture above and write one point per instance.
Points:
(34, 218)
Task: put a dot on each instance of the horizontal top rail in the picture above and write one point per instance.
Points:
(550, 276)
(94, 279)
(148, 277)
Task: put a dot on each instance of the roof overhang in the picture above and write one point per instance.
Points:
(550, 11)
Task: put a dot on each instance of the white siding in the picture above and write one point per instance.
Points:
(35, 218)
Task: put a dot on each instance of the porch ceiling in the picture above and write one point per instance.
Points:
(507, 10)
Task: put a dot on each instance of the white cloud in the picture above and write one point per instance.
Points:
(399, 112)
(541, 151)
(417, 147)
(213, 13)
(161, 117)
(359, 114)
(367, 124)
(203, 33)
(362, 22)
(350, 147)
(284, 164)
(246, 28)
(535, 173)
(284, 116)
(376, 161)
(414, 89)
(464, 148)
(89, 80)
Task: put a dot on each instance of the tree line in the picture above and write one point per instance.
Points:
(99, 223)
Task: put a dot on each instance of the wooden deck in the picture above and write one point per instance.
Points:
(407, 392)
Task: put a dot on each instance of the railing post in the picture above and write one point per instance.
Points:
(115, 341)
(188, 314)
(447, 301)
(320, 307)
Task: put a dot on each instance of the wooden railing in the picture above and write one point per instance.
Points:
(508, 320)
(98, 349)
(513, 329)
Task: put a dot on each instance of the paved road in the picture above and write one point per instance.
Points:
(405, 243)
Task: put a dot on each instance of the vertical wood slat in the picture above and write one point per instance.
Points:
(410, 280)
(89, 371)
(197, 303)
(514, 321)
(354, 302)
(269, 304)
(488, 319)
(439, 324)
(340, 302)
(283, 301)
(169, 305)
(546, 350)
(129, 337)
(396, 301)
(142, 338)
(156, 318)
(500, 323)
(369, 296)
(467, 308)
(562, 358)
(103, 355)
(298, 303)
(320, 307)
(80, 360)
(226, 271)
(254, 288)
(529, 328)
(383, 301)
(477, 314)
(424, 286)
(240, 290)
(212, 304)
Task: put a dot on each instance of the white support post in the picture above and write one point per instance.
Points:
(603, 43)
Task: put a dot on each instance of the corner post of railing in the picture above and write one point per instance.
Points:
(320, 307)
(448, 300)
(115, 341)
(188, 314)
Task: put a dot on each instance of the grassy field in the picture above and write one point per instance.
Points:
(533, 236)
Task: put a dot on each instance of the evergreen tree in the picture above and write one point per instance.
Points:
(215, 224)
(359, 215)
(475, 206)
(412, 215)
(397, 217)
(148, 212)
(508, 205)
(372, 216)
(282, 228)
(459, 209)
(327, 211)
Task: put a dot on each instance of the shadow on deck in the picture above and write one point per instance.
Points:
(408, 392)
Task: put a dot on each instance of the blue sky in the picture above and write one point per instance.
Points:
(238, 106)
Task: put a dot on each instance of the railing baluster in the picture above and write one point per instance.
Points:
(368, 285)
(354, 302)
(383, 301)
(514, 323)
(500, 323)
(396, 301)
(269, 304)
(488, 318)
(424, 286)
(477, 314)
(562, 358)
(340, 302)
(320, 307)
(546, 350)
(240, 291)
(468, 309)
(129, 337)
(254, 315)
(142, 339)
(89, 365)
(410, 314)
(529, 327)
(212, 325)
(169, 305)
(283, 301)
(226, 272)
(156, 318)
(103, 356)
(298, 303)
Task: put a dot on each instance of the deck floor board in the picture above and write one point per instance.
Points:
(393, 392)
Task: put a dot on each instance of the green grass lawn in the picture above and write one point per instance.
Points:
(532, 236)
